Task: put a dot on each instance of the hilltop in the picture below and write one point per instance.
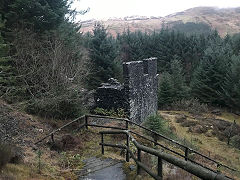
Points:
(226, 21)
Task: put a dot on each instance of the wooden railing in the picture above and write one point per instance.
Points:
(84, 121)
(188, 166)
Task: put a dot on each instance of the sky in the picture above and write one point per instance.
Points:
(104, 9)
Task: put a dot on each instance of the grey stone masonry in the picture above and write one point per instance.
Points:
(111, 95)
(141, 81)
(137, 95)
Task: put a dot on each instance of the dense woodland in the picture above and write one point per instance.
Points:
(48, 66)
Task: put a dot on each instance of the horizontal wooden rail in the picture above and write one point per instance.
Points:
(136, 124)
(86, 124)
(113, 145)
(59, 129)
(156, 143)
(110, 127)
(166, 138)
(188, 166)
(107, 117)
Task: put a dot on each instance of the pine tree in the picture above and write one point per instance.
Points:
(236, 43)
(102, 54)
(39, 15)
(165, 90)
(209, 76)
(231, 87)
(134, 46)
(4, 48)
(178, 80)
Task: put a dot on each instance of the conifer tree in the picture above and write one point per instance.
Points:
(102, 54)
(231, 87)
(165, 90)
(209, 76)
(3, 46)
(178, 80)
(236, 44)
(39, 15)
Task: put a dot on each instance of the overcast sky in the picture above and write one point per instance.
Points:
(102, 9)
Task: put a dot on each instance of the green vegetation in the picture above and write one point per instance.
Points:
(235, 141)
(172, 87)
(192, 28)
(47, 66)
(191, 105)
(113, 113)
(158, 124)
(42, 58)
(103, 52)
(201, 66)
(46, 63)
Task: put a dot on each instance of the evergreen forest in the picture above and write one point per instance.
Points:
(48, 66)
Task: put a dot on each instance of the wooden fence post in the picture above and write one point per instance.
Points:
(52, 138)
(127, 144)
(86, 122)
(155, 137)
(79, 123)
(127, 125)
(160, 174)
(139, 159)
(102, 140)
(186, 153)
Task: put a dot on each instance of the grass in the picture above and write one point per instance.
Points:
(230, 117)
(218, 150)
(90, 147)
(12, 171)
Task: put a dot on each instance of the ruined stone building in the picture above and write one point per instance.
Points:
(137, 95)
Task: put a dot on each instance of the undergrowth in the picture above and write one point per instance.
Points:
(5, 154)
(113, 113)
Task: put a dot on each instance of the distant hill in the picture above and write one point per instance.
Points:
(226, 21)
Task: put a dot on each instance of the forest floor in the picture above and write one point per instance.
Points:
(58, 161)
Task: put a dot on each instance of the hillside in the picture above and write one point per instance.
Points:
(226, 21)
(65, 158)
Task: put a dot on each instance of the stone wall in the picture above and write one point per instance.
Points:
(141, 82)
(138, 94)
(111, 95)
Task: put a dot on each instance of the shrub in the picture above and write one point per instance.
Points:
(114, 113)
(236, 141)
(188, 123)
(181, 118)
(192, 105)
(158, 124)
(5, 155)
(61, 106)
(68, 160)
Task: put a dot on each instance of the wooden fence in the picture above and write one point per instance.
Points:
(185, 162)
